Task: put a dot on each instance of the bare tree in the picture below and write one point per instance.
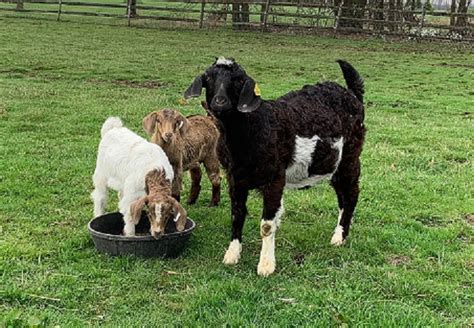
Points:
(133, 8)
(352, 9)
(462, 9)
(452, 19)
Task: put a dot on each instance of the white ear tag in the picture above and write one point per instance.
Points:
(177, 217)
(181, 124)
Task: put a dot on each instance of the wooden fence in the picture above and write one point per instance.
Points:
(332, 16)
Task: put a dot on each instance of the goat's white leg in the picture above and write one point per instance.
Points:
(232, 255)
(337, 238)
(99, 195)
(268, 228)
(124, 205)
(272, 212)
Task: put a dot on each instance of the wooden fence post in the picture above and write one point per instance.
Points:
(423, 14)
(59, 10)
(265, 15)
(129, 12)
(338, 15)
(201, 17)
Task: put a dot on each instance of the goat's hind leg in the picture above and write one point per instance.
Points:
(272, 212)
(212, 169)
(195, 174)
(99, 195)
(346, 184)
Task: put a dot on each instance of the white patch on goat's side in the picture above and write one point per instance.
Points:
(338, 145)
(224, 61)
(232, 255)
(304, 148)
(297, 175)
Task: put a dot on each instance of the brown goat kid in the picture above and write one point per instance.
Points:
(188, 142)
(161, 206)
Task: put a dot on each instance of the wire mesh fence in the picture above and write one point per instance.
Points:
(400, 18)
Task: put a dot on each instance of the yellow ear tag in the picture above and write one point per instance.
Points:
(256, 90)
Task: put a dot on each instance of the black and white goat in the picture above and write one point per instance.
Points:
(296, 141)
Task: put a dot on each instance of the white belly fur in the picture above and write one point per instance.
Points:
(297, 175)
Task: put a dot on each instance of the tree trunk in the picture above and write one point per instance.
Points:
(352, 9)
(391, 14)
(133, 8)
(462, 9)
(379, 15)
(19, 5)
(452, 19)
(245, 16)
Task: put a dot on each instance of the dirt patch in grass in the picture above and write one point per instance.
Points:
(148, 84)
(398, 260)
(152, 84)
(431, 221)
(298, 258)
(470, 219)
(455, 65)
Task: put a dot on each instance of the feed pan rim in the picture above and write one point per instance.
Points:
(147, 238)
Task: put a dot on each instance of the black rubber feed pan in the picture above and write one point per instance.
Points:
(106, 231)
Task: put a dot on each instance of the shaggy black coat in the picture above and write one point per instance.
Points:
(258, 137)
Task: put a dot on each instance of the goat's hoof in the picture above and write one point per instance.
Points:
(232, 255)
(337, 240)
(191, 201)
(230, 258)
(265, 267)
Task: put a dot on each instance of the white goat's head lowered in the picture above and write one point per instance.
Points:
(161, 206)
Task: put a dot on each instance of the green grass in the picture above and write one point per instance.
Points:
(408, 260)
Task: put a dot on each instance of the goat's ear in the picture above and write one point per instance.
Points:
(181, 216)
(149, 123)
(248, 100)
(183, 125)
(195, 89)
(136, 209)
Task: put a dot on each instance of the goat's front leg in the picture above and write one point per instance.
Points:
(272, 212)
(125, 209)
(178, 177)
(238, 197)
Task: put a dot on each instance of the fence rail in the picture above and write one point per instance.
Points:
(267, 15)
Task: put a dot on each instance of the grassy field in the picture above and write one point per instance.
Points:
(409, 260)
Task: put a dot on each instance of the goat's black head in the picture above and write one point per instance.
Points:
(228, 88)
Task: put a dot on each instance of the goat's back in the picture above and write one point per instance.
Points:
(123, 153)
(201, 139)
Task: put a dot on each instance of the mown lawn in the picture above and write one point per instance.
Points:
(409, 260)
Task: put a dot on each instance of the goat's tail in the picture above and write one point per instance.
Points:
(109, 124)
(353, 79)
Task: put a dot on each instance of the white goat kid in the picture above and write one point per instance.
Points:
(133, 166)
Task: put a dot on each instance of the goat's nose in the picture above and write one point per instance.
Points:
(220, 100)
(168, 135)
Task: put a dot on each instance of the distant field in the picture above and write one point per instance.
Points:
(409, 258)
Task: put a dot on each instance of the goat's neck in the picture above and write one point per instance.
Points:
(158, 186)
(173, 149)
